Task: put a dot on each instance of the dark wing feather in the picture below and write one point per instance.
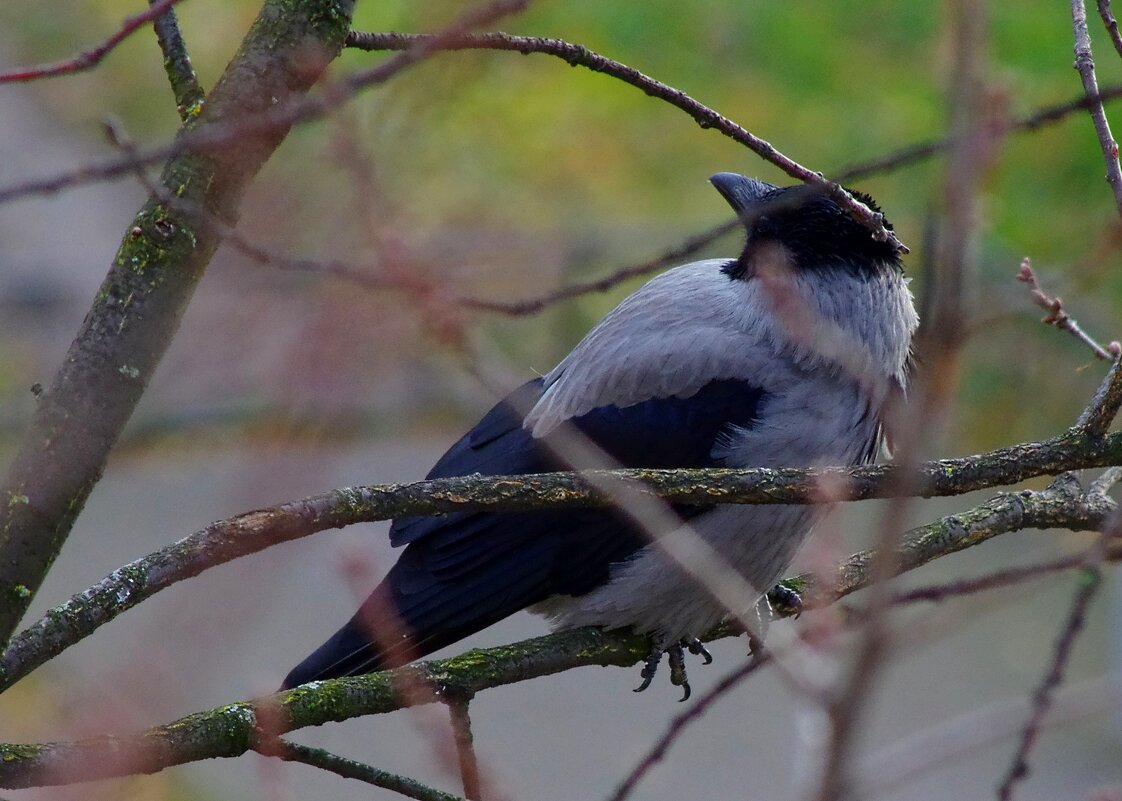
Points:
(464, 571)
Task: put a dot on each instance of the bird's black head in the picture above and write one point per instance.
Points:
(812, 228)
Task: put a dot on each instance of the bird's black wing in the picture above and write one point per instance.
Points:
(464, 571)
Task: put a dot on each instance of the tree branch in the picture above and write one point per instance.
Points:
(88, 59)
(250, 532)
(234, 729)
(137, 310)
(1111, 24)
(1090, 581)
(580, 56)
(1085, 64)
(185, 87)
(351, 769)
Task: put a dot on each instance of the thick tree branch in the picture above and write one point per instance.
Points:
(234, 729)
(138, 308)
(248, 533)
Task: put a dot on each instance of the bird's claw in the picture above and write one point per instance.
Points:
(697, 648)
(675, 655)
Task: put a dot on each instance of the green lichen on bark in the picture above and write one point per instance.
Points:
(135, 314)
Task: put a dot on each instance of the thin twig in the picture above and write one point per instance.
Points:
(1103, 484)
(1111, 24)
(1085, 64)
(913, 154)
(999, 578)
(279, 117)
(681, 721)
(88, 59)
(351, 769)
(672, 256)
(579, 56)
(1090, 580)
(465, 747)
(1058, 317)
(849, 700)
(185, 86)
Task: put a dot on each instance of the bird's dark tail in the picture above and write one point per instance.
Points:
(377, 637)
(412, 613)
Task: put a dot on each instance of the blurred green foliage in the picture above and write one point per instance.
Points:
(511, 175)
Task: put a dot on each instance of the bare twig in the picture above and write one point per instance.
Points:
(1090, 580)
(968, 734)
(1103, 484)
(177, 64)
(996, 579)
(672, 256)
(681, 722)
(579, 56)
(1096, 419)
(1111, 24)
(465, 747)
(278, 117)
(351, 769)
(1058, 317)
(1085, 64)
(92, 57)
(940, 344)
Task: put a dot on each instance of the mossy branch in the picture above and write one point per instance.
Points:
(248, 533)
(234, 729)
(138, 308)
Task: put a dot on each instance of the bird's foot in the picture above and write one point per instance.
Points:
(675, 655)
(782, 601)
(785, 602)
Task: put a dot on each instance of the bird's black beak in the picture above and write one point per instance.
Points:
(743, 194)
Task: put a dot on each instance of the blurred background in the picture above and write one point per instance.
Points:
(505, 177)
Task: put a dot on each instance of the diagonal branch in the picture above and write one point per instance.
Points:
(580, 56)
(137, 310)
(1090, 581)
(88, 59)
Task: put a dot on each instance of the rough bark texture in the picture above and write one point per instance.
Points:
(138, 308)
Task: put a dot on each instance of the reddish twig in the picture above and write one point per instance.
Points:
(1111, 24)
(577, 55)
(88, 59)
(278, 118)
(465, 747)
(1085, 65)
(1058, 317)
